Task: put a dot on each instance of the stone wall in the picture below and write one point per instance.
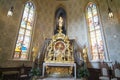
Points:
(44, 24)
(8, 32)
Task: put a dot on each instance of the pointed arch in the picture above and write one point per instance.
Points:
(96, 42)
(22, 47)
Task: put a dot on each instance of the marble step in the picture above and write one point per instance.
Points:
(60, 79)
(58, 75)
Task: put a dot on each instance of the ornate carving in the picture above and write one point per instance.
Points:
(59, 50)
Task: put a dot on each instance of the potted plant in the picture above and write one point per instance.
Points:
(82, 72)
(34, 73)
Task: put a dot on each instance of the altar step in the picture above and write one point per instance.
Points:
(59, 79)
(59, 75)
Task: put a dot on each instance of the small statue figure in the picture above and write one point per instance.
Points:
(60, 21)
(85, 53)
(35, 50)
(60, 24)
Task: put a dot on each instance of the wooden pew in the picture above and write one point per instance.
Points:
(14, 73)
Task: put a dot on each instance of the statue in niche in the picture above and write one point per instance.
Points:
(60, 25)
(60, 21)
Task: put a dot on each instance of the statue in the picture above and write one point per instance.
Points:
(60, 21)
(85, 53)
(34, 55)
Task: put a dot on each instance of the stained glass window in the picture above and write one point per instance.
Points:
(94, 28)
(24, 37)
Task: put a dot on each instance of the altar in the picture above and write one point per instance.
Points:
(59, 57)
(59, 64)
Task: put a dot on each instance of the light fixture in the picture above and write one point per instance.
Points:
(10, 11)
(110, 13)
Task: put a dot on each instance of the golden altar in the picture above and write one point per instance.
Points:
(59, 52)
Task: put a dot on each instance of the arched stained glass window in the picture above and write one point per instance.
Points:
(95, 34)
(25, 32)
